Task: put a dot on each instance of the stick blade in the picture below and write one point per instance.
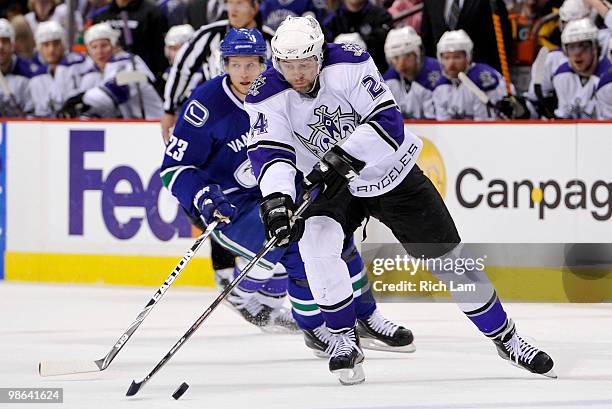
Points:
(134, 388)
(53, 368)
(482, 97)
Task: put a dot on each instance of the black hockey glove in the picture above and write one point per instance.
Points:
(276, 211)
(334, 172)
(513, 107)
(74, 107)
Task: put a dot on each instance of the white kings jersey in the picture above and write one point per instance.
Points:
(51, 89)
(554, 59)
(353, 108)
(109, 99)
(453, 100)
(415, 98)
(576, 94)
(17, 79)
(603, 95)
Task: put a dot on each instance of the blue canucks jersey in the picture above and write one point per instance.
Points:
(208, 146)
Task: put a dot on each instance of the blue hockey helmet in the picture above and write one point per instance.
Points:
(243, 42)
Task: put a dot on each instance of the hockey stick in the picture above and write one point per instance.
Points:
(136, 386)
(482, 97)
(538, 76)
(6, 90)
(48, 368)
(127, 35)
(501, 48)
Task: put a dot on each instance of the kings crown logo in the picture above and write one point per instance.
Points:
(256, 85)
(330, 129)
(353, 48)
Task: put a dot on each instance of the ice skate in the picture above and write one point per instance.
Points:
(268, 319)
(346, 357)
(520, 353)
(318, 340)
(379, 334)
(223, 277)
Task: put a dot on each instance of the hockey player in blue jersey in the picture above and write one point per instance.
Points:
(323, 111)
(207, 169)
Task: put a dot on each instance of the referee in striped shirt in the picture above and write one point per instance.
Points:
(202, 51)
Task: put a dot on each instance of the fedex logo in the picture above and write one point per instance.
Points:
(82, 180)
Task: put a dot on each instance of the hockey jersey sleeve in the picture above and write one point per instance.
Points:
(381, 129)
(604, 96)
(271, 147)
(190, 146)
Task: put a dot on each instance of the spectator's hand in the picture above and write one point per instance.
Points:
(513, 107)
(74, 107)
(167, 123)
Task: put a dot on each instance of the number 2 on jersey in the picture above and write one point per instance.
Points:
(180, 145)
(374, 88)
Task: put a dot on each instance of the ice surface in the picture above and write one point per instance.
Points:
(231, 364)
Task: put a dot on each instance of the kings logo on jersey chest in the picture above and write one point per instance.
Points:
(330, 129)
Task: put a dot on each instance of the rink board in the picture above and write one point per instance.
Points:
(87, 206)
(84, 202)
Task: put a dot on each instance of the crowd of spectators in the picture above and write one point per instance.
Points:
(127, 58)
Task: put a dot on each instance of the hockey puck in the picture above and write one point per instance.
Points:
(180, 390)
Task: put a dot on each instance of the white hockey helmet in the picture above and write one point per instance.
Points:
(351, 38)
(7, 30)
(50, 31)
(178, 35)
(456, 40)
(579, 30)
(573, 10)
(297, 38)
(101, 31)
(402, 41)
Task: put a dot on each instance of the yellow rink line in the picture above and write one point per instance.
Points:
(104, 269)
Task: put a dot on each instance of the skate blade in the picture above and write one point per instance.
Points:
(350, 376)
(278, 329)
(320, 354)
(550, 374)
(377, 345)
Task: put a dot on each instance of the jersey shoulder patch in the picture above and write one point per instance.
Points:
(265, 86)
(484, 76)
(25, 68)
(344, 54)
(430, 73)
(208, 94)
(72, 58)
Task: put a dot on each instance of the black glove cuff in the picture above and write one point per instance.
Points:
(274, 201)
(343, 163)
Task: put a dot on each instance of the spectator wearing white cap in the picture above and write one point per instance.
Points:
(15, 99)
(119, 84)
(60, 71)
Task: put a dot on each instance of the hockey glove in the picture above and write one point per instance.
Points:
(214, 205)
(513, 107)
(334, 172)
(276, 211)
(74, 107)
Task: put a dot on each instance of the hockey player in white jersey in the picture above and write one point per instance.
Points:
(575, 81)
(543, 105)
(324, 111)
(453, 99)
(59, 75)
(112, 88)
(411, 76)
(604, 90)
(15, 99)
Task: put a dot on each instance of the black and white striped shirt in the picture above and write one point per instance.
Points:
(201, 51)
